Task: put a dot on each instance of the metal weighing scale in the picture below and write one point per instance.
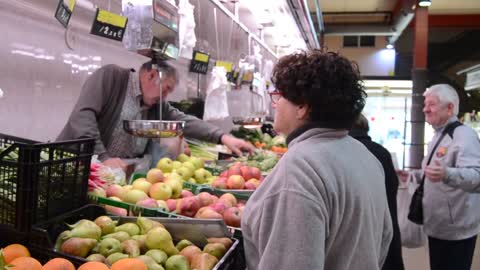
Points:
(152, 31)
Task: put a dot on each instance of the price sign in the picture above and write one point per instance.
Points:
(228, 67)
(109, 25)
(64, 12)
(199, 62)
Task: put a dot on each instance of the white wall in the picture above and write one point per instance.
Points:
(375, 61)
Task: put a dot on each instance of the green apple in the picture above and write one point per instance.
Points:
(189, 165)
(173, 175)
(185, 173)
(176, 165)
(160, 191)
(183, 157)
(192, 180)
(165, 164)
(198, 162)
(210, 179)
(200, 175)
(176, 186)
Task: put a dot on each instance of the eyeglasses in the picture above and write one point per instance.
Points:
(275, 96)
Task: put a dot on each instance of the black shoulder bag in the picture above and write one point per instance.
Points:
(415, 213)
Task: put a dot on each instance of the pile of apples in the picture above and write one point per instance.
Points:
(239, 176)
(191, 169)
(102, 240)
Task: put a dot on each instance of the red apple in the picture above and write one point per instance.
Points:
(256, 173)
(219, 206)
(235, 182)
(208, 213)
(188, 206)
(148, 203)
(186, 193)
(224, 174)
(234, 170)
(229, 199)
(171, 204)
(246, 172)
(214, 198)
(252, 184)
(204, 199)
(232, 217)
(114, 190)
(220, 183)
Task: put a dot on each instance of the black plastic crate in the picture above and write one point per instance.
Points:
(41, 180)
(44, 235)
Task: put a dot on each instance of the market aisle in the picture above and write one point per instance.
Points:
(417, 258)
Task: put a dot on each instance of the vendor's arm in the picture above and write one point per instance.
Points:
(202, 130)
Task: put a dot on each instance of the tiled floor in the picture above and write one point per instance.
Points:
(417, 258)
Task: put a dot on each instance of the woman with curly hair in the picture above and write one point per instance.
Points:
(324, 205)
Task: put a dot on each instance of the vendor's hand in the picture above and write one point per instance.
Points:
(115, 163)
(237, 145)
(436, 171)
(402, 175)
(186, 149)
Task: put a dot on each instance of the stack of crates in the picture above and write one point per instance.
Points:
(39, 181)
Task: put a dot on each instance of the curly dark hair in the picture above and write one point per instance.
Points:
(328, 83)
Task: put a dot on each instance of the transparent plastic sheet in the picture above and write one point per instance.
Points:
(216, 104)
(412, 234)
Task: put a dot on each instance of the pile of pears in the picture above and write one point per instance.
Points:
(104, 241)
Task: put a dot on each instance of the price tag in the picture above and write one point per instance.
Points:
(227, 65)
(199, 63)
(64, 12)
(109, 25)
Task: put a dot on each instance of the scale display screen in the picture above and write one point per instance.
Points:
(165, 14)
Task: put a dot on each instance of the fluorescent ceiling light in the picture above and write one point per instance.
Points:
(389, 46)
(388, 83)
(424, 3)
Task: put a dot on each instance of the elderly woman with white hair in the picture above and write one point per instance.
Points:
(451, 199)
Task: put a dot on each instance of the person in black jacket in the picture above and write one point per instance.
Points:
(359, 131)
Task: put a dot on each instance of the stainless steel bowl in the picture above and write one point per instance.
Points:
(153, 128)
(248, 122)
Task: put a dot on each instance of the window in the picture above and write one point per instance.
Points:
(359, 41)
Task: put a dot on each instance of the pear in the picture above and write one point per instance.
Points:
(130, 228)
(78, 246)
(151, 264)
(190, 252)
(227, 242)
(146, 224)
(183, 244)
(106, 224)
(131, 248)
(61, 238)
(96, 257)
(141, 242)
(84, 229)
(215, 249)
(159, 256)
(160, 238)
(109, 246)
(120, 236)
(204, 261)
(115, 257)
(177, 262)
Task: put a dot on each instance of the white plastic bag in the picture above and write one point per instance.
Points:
(216, 105)
(412, 234)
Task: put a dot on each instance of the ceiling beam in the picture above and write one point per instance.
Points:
(458, 20)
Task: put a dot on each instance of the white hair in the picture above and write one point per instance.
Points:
(446, 94)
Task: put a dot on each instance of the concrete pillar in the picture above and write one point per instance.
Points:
(420, 83)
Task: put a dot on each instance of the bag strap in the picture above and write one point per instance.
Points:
(449, 129)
